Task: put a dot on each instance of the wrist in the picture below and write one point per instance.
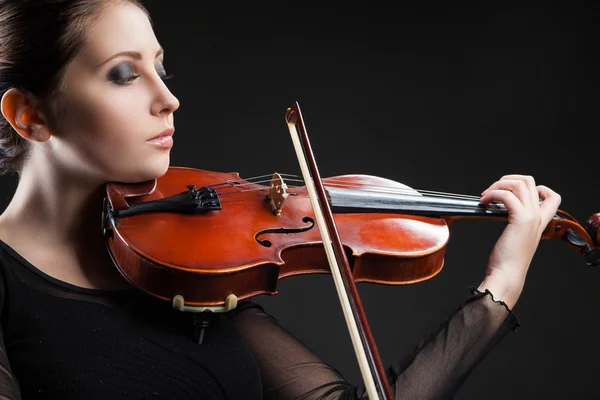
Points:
(504, 288)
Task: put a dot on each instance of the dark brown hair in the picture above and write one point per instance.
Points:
(38, 39)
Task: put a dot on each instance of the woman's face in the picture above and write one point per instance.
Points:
(114, 101)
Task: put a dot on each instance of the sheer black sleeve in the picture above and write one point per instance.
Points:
(436, 368)
(9, 388)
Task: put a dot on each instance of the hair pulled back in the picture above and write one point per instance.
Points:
(38, 39)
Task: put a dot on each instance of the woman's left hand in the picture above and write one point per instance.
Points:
(527, 218)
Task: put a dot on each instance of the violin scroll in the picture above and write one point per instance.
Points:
(584, 240)
(592, 225)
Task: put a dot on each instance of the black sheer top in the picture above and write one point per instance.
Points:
(59, 341)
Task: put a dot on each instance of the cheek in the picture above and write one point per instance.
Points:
(105, 134)
(116, 119)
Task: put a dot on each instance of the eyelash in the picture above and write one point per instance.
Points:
(127, 81)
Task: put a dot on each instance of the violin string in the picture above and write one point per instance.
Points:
(395, 189)
(257, 179)
(494, 203)
(410, 194)
(341, 183)
(406, 192)
(369, 188)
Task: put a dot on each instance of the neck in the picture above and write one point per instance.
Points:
(61, 206)
(410, 202)
(55, 209)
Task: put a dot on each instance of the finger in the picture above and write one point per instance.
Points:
(531, 186)
(508, 198)
(529, 181)
(494, 185)
(517, 187)
(550, 203)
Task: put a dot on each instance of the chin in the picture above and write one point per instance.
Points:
(157, 170)
(147, 172)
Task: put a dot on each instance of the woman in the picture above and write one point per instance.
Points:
(84, 103)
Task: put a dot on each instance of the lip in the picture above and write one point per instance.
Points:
(167, 132)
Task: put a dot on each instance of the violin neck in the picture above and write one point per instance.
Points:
(360, 201)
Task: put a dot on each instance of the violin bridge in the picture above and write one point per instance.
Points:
(277, 193)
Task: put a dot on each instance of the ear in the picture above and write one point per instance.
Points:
(19, 110)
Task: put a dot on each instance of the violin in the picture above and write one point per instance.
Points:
(204, 240)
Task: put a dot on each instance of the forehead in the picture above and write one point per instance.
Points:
(120, 27)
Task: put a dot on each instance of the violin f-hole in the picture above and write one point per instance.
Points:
(267, 243)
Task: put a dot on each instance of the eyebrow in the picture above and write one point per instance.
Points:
(133, 54)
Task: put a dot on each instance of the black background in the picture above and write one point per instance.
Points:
(439, 98)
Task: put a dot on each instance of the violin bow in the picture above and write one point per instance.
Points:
(369, 361)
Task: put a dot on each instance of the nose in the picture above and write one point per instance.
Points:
(165, 102)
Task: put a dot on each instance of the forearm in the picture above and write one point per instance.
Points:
(435, 369)
(442, 362)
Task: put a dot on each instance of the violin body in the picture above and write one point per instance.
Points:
(226, 238)
(244, 247)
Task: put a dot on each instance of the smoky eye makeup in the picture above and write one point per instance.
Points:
(121, 73)
(124, 73)
(160, 70)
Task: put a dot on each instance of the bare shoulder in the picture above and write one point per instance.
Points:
(4, 233)
(8, 235)
(32, 249)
